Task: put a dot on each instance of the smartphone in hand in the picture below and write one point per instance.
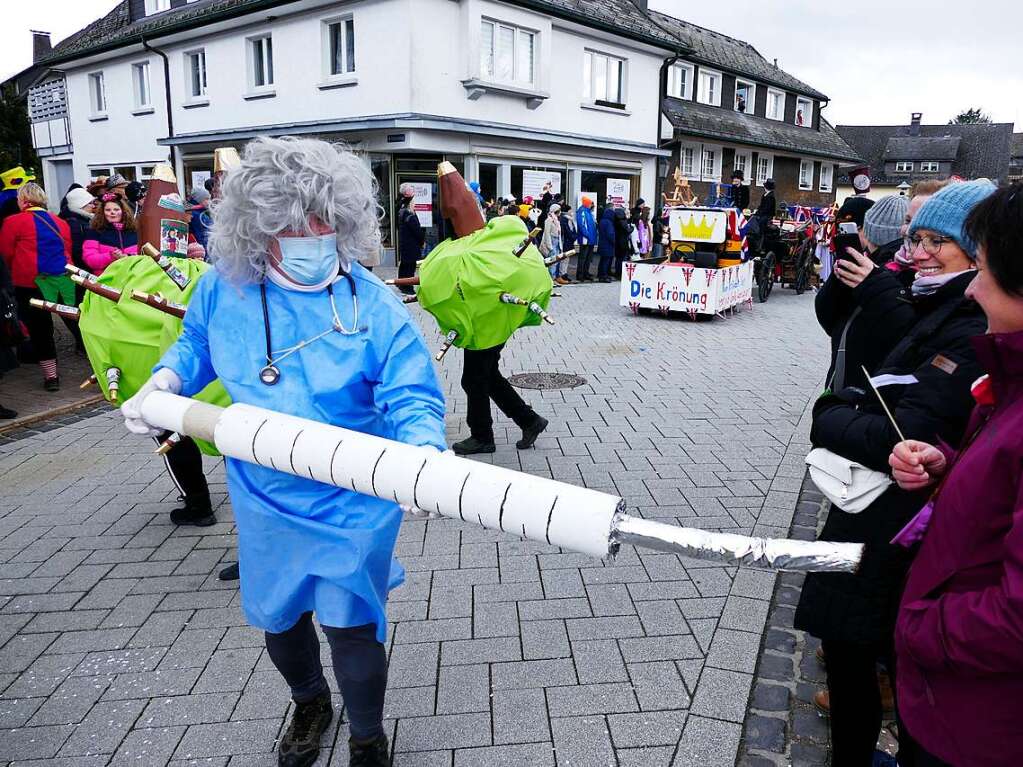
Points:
(847, 237)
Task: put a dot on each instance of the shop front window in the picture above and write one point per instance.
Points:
(380, 165)
(488, 180)
(600, 186)
(529, 180)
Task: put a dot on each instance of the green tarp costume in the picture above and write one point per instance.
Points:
(462, 280)
(133, 336)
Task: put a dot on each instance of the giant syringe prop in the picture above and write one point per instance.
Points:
(493, 497)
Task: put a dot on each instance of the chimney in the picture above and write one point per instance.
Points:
(40, 44)
(643, 5)
(776, 63)
(914, 123)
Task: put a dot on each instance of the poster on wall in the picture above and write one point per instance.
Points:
(533, 181)
(422, 204)
(199, 178)
(618, 192)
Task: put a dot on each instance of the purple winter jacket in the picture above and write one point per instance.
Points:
(959, 635)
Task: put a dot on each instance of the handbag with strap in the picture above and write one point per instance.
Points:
(851, 486)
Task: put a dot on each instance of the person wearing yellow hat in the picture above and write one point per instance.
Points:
(12, 179)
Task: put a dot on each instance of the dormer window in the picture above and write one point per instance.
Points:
(157, 6)
(745, 96)
(928, 166)
(903, 167)
(775, 104)
(804, 112)
(709, 87)
(680, 81)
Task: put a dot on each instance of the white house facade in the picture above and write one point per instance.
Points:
(510, 92)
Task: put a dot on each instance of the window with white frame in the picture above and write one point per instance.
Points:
(507, 53)
(806, 174)
(97, 94)
(827, 176)
(903, 166)
(928, 166)
(195, 74)
(157, 6)
(687, 161)
(709, 87)
(775, 104)
(741, 163)
(339, 38)
(765, 168)
(261, 59)
(140, 85)
(710, 165)
(603, 79)
(745, 96)
(680, 81)
(804, 112)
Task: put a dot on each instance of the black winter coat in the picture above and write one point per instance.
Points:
(740, 196)
(410, 236)
(885, 315)
(768, 206)
(79, 226)
(623, 232)
(937, 351)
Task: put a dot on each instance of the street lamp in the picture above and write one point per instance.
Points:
(904, 188)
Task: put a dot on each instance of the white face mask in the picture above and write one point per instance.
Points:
(309, 260)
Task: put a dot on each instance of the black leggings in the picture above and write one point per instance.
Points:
(360, 667)
(482, 382)
(184, 464)
(40, 325)
(855, 699)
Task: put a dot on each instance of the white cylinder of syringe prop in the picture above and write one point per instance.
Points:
(536, 508)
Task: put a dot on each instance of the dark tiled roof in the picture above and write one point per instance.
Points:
(736, 56)
(922, 148)
(116, 28)
(704, 121)
(1017, 144)
(983, 149)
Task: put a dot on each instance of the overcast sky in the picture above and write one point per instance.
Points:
(878, 60)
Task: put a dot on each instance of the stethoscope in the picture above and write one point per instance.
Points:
(270, 374)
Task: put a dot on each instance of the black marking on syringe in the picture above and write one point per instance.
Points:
(460, 492)
(292, 456)
(500, 512)
(332, 457)
(254, 437)
(415, 486)
(373, 476)
(550, 516)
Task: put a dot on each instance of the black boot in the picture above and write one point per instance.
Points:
(530, 433)
(372, 754)
(196, 511)
(7, 413)
(300, 745)
(471, 446)
(229, 573)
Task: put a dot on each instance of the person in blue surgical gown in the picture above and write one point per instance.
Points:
(288, 320)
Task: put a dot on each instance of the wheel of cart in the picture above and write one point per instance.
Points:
(763, 274)
(804, 266)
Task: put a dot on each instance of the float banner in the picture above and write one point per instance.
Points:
(698, 225)
(677, 288)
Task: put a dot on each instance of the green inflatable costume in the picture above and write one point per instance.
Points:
(132, 336)
(461, 283)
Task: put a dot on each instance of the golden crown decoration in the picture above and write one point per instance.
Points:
(701, 231)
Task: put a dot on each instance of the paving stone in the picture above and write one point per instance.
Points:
(149, 746)
(520, 716)
(771, 697)
(103, 728)
(707, 742)
(228, 670)
(598, 660)
(414, 665)
(591, 699)
(722, 694)
(468, 651)
(533, 673)
(228, 738)
(766, 733)
(659, 686)
(449, 731)
(534, 755)
(652, 728)
(544, 639)
(583, 741)
(463, 689)
(72, 700)
(34, 742)
(188, 709)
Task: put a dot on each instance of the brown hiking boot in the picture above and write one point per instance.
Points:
(822, 698)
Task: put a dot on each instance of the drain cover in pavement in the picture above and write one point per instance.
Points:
(546, 380)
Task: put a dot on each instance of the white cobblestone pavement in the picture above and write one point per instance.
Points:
(118, 645)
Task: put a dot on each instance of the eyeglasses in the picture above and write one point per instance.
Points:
(931, 245)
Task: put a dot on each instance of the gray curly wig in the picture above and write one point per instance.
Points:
(279, 183)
